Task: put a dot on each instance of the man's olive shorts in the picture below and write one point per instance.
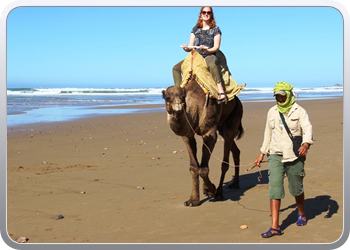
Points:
(277, 170)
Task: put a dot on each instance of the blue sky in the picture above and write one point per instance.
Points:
(122, 47)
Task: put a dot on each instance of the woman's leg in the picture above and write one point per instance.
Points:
(212, 63)
(177, 73)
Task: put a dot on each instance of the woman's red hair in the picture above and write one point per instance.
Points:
(212, 23)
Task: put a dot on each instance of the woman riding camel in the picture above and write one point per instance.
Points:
(207, 36)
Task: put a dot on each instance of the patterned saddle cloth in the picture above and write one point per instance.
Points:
(194, 63)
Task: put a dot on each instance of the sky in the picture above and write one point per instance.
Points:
(132, 47)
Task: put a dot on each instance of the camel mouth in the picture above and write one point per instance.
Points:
(177, 107)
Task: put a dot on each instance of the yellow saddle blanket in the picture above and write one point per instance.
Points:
(195, 62)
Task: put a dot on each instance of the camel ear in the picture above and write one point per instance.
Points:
(163, 94)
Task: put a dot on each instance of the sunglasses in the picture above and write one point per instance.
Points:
(206, 12)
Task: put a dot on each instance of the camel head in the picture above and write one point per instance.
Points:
(174, 99)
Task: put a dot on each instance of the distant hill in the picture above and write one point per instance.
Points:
(337, 85)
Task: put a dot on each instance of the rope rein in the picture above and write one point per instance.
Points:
(194, 132)
(192, 52)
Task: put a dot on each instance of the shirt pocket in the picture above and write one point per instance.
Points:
(294, 123)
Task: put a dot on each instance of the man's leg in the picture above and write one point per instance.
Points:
(301, 211)
(296, 173)
(276, 193)
(275, 205)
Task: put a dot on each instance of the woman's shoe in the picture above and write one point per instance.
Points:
(222, 99)
(272, 232)
(300, 221)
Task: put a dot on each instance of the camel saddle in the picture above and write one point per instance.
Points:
(194, 64)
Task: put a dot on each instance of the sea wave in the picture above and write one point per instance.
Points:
(82, 91)
(144, 91)
(31, 105)
(309, 90)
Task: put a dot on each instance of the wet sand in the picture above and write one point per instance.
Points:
(124, 179)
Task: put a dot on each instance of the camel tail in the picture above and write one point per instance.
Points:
(239, 109)
(240, 132)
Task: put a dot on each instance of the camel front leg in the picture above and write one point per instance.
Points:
(208, 147)
(194, 198)
(191, 146)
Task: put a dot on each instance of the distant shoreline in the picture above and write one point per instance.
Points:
(148, 106)
(137, 109)
(78, 114)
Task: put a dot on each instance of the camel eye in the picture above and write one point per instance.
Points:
(168, 98)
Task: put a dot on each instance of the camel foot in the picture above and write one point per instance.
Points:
(219, 194)
(192, 203)
(210, 192)
(219, 197)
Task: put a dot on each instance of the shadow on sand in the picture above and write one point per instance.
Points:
(247, 182)
(313, 206)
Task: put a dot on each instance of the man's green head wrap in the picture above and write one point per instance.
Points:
(287, 105)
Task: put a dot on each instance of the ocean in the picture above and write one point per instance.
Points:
(37, 105)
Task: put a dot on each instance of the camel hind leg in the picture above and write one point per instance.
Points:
(234, 149)
(229, 146)
(228, 132)
(236, 159)
(224, 167)
(231, 129)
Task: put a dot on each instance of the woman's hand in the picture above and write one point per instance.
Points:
(204, 49)
(303, 149)
(184, 46)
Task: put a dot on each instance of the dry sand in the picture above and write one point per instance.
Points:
(117, 179)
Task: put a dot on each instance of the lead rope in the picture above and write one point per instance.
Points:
(260, 175)
(192, 52)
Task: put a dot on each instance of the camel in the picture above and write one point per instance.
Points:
(190, 110)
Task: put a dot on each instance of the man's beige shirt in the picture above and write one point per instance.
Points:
(276, 139)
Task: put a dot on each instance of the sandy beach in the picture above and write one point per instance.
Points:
(124, 179)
